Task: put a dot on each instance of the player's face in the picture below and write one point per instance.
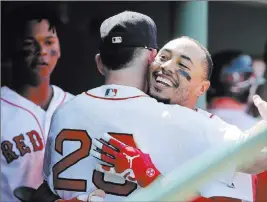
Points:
(177, 74)
(39, 49)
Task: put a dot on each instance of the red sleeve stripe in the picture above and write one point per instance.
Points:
(65, 95)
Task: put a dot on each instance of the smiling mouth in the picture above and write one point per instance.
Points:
(162, 79)
(41, 64)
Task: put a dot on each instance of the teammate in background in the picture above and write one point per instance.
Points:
(28, 102)
(129, 47)
(259, 69)
(233, 85)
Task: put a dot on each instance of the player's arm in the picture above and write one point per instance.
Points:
(124, 159)
(111, 152)
(259, 164)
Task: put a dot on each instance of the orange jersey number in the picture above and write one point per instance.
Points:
(79, 185)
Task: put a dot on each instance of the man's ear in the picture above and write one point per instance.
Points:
(99, 64)
(202, 88)
(153, 54)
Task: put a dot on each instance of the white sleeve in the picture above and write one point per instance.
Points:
(228, 183)
(241, 188)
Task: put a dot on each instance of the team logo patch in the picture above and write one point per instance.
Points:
(231, 186)
(116, 39)
(150, 172)
(111, 92)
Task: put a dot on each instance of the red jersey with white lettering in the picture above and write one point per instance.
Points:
(170, 134)
(24, 130)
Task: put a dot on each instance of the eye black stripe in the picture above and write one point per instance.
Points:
(183, 65)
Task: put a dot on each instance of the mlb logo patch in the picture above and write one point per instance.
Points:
(116, 39)
(111, 92)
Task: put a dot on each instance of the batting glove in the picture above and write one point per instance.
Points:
(121, 159)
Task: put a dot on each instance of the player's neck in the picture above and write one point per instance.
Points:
(127, 77)
(191, 104)
(40, 95)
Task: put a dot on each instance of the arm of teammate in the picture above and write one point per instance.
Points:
(261, 105)
(260, 164)
(111, 153)
(123, 159)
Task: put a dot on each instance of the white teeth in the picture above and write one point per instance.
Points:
(164, 80)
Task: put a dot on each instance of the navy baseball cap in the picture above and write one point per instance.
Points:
(129, 29)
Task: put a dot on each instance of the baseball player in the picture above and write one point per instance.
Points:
(122, 109)
(192, 85)
(28, 103)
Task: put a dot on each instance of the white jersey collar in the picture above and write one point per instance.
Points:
(115, 92)
(13, 97)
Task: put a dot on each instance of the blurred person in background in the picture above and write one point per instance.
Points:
(28, 101)
(259, 68)
(232, 85)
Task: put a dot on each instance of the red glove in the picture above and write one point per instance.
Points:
(124, 159)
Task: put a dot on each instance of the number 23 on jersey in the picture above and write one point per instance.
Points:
(79, 185)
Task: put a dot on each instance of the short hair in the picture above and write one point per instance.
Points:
(115, 58)
(135, 33)
(207, 61)
(14, 22)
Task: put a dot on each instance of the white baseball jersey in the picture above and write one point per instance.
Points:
(171, 134)
(242, 182)
(24, 130)
(236, 117)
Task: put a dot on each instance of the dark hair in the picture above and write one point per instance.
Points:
(116, 58)
(209, 64)
(207, 61)
(14, 21)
